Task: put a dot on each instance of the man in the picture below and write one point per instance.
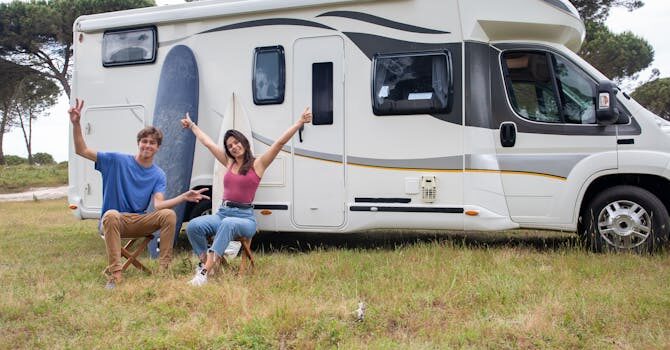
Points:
(128, 185)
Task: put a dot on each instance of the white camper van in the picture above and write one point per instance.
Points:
(456, 115)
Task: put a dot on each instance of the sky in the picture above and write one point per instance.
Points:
(50, 132)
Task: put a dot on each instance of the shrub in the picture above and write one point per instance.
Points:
(15, 160)
(42, 158)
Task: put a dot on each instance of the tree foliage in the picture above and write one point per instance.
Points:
(618, 56)
(38, 33)
(655, 95)
(598, 10)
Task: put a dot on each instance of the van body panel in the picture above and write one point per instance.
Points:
(456, 149)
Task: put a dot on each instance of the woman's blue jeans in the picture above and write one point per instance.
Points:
(226, 225)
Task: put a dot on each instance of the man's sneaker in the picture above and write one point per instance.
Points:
(200, 279)
(199, 267)
(233, 249)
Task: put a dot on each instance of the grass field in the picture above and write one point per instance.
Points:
(18, 178)
(502, 291)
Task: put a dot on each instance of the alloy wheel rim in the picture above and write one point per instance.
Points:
(624, 224)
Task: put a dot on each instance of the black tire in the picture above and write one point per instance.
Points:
(202, 208)
(625, 219)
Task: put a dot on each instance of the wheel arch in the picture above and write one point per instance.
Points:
(655, 184)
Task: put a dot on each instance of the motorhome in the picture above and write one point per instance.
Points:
(449, 114)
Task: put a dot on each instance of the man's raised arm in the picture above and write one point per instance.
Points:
(79, 143)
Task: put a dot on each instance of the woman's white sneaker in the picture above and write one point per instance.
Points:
(200, 279)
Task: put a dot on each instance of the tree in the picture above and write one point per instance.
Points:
(618, 56)
(10, 76)
(598, 10)
(38, 33)
(34, 94)
(655, 95)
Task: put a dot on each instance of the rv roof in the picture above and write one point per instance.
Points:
(190, 11)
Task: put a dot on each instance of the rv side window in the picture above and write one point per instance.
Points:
(548, 88)
(411, 83)
(269, 75)
(322, 93)
(129, 46)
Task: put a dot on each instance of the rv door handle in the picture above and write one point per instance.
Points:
(507, 134)
(302, 127)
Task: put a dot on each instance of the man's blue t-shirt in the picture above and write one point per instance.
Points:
(126, 185)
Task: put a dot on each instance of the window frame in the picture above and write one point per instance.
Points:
(281, 84)
(448, 86)
(154, 52)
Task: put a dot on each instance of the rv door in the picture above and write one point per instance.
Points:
(107, 129)
(318, 150)
(546, 120)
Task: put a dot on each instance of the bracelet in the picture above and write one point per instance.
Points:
(191, 126)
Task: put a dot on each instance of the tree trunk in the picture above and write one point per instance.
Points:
(3, 126)
(2, 154)
(29, 142)
(26, 133)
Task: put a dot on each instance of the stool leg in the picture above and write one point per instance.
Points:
(132, 256)
(246, 255)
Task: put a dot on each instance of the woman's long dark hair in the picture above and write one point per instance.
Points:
(248, 161)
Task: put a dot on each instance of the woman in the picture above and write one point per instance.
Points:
(235, 218)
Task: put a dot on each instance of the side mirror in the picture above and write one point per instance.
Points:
(607, 112)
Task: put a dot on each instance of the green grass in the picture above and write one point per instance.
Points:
(18, 178)
(433, 294)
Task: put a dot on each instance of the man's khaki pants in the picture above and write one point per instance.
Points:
(117, 225)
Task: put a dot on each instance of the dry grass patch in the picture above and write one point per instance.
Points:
(437, 293)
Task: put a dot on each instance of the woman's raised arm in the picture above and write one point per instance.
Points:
(206, 141)
(264, 161)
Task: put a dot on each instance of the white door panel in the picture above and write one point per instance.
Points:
(108, 129)
(318, 154)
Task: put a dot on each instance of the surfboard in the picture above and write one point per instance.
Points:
(178, 93)
(235, 117)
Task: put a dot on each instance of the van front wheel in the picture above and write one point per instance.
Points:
(626, 218)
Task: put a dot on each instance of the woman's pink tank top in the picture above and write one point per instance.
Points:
(240, 188)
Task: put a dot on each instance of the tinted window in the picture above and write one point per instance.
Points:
(578, 93)
(132, 46)
(322, 93)
(411, 83)
(548, 88)
(268, 75)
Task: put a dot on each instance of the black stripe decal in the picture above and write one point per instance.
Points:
(270, 206)
(381, 200)
(364, 17)
(407, 209)
(269, 22)
(559, 5)
(371, 44)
